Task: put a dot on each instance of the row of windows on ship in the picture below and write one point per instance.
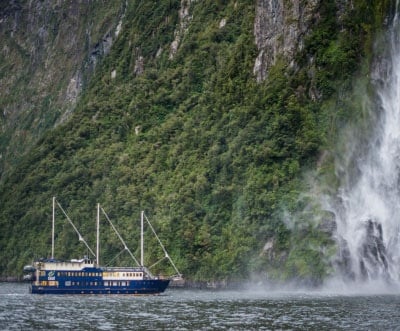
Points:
(94, 274)
(70, 283)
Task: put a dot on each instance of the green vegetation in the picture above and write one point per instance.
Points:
(213, 157)
(44, 46)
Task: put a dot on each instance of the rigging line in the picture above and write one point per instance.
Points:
(162, 246)
(120, 238)
(115, 257)
(76, 230)
(163, 258)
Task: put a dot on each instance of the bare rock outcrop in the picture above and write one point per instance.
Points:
(279, 29)
(184, 21)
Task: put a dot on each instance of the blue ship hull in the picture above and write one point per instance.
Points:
(140, 287)
(51, 279)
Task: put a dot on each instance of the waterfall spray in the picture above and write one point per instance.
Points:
(367, 208)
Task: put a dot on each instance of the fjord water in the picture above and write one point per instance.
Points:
(367, 206)
(255, 309)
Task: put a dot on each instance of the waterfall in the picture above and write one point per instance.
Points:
(367, 206)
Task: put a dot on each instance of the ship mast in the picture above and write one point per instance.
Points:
(52, 228)
(98, 236)
(141, 240)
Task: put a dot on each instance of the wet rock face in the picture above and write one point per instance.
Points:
(279, 30)
(344, 261)
(372, 262)
(373, 255)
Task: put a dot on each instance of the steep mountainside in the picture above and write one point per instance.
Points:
(48, 51)
(206, 114)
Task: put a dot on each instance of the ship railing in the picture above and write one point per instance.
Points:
(135, 269)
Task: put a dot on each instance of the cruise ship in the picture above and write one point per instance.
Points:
(87, 276)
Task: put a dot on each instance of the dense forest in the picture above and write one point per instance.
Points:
(173, 120)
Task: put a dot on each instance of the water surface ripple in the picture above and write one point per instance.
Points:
(198, 310)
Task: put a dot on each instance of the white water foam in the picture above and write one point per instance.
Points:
(367, 208)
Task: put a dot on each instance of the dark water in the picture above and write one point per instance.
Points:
(198, 310)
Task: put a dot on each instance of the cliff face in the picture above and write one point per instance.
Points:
(203, 113)
(279, 29)
(49, 50)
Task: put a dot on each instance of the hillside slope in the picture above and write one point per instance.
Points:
(206, 115)
(49, 51)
